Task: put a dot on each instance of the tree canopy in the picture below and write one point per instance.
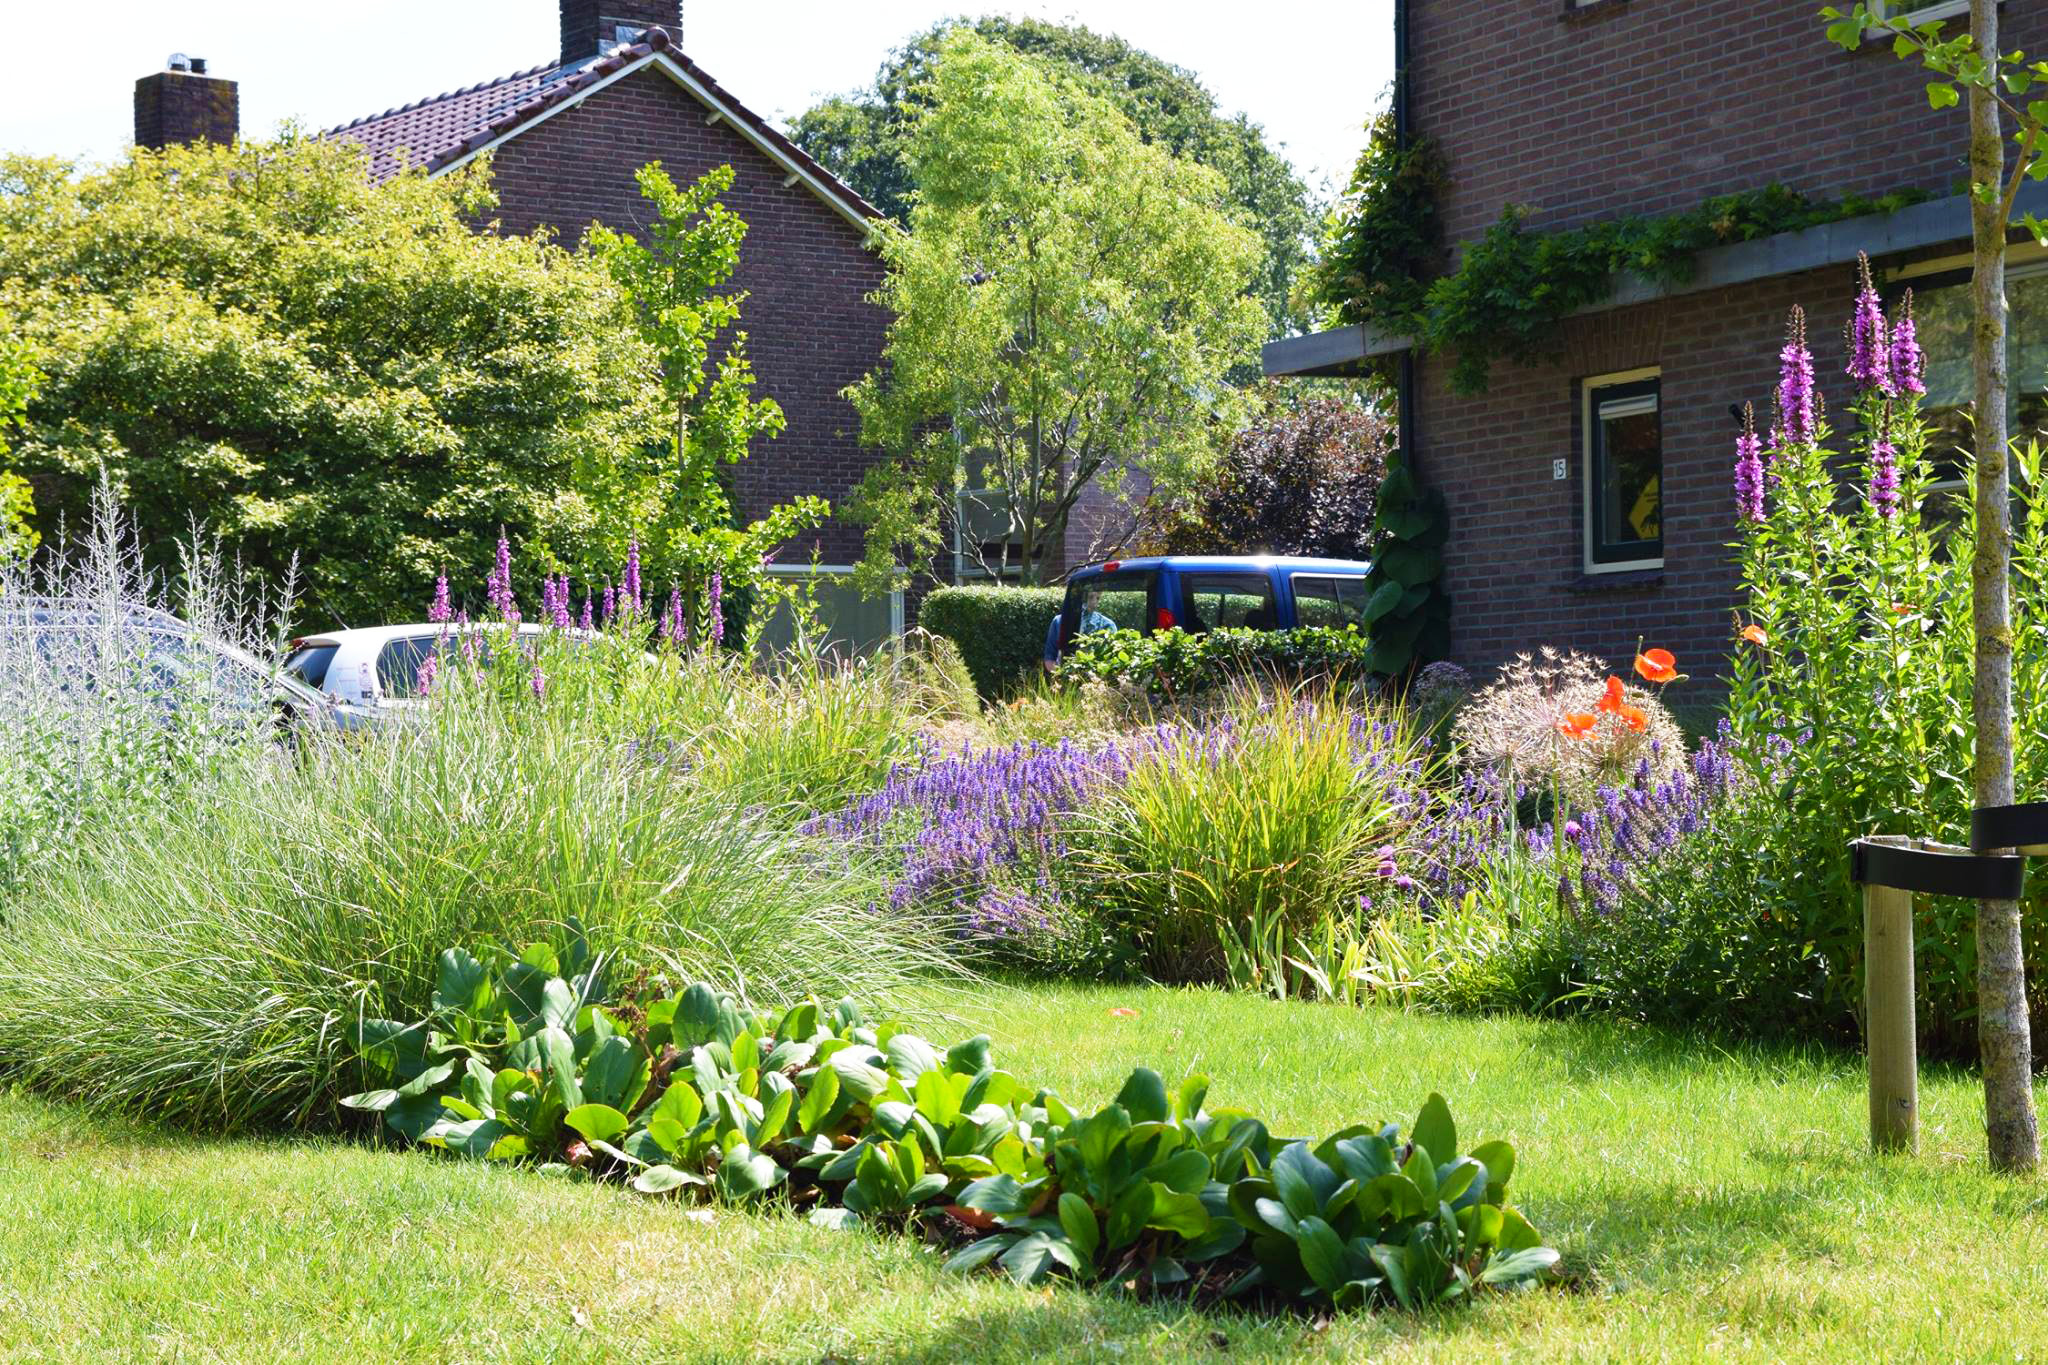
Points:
(18, 378)
(1067, 301)
(317, 366)
(864, 137)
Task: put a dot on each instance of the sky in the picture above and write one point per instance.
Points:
(1310, 71)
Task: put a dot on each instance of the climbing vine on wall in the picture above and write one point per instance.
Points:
(1512, 287)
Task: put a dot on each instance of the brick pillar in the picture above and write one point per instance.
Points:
(176, 107)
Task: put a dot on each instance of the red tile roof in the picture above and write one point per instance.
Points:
(435, 133)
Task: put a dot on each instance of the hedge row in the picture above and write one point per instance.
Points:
(1175, 661)
(1000, 631)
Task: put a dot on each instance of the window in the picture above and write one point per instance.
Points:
(1227, 600)
(1328, 600)
(1942, 319)
(308, 663)
(846, 622)
(398, 664)
(1110, 601)
(1624, 439)
(1919, 11)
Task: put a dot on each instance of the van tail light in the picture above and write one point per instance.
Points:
(1162, 619)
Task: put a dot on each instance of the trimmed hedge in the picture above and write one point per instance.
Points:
(1175, 661)
(1000, 632)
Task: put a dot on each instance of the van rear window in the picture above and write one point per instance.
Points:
(309, 664)
(1111, 601)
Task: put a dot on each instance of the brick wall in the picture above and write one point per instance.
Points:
(1650, 106)
(810, 331)
(1642, 107)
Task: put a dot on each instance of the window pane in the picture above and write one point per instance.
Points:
(1112, 601)
(1627, 473)
(1332, 602)
(1227, 600)
(309, 663)
(849, 622)
(398, 665)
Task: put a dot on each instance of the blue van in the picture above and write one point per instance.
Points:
(1197, 593)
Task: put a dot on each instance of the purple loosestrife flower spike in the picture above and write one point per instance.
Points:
(631, 587)
(562, 618)
(540, 684)
(423, 679)
(440, 613)
(1795, 384)
(586, 621)
(1869, 357)
(1884, 472)
(611, 602)
(500, 583)
(1906, 360)
(1749, 469)
(717, 608)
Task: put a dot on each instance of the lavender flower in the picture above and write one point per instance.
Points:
(717, 609)
(1796, 421)
(1749, 469)
(440, 612)
(1906, 359)
(1869, 355)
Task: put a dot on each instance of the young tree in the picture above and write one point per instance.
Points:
(674, 280)
(865, 136)
(1973, 62)
(318, 366)
(1067, 302)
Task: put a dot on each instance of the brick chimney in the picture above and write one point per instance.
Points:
(593, 26)
(183, 104)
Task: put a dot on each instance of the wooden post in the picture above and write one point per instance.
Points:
(1888, 1019)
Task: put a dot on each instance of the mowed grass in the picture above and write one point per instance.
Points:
(1711, 1203)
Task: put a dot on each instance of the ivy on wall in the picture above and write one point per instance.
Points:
(1512, 288)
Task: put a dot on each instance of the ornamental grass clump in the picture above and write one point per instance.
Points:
(1274, 815)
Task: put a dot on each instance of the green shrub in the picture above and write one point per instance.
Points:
(529, 1058)
(1000, 631)
(1174, 661)
(205, 969)
(1263, 824)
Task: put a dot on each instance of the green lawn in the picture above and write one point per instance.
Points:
(1713, 1203)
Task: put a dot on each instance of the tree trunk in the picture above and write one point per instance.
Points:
(2003, 1036)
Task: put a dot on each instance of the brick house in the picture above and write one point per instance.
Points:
(1589, 494)
(566, 138)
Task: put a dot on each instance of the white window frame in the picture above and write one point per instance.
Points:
(1916, 12)
(1587, 472)
(844, 571)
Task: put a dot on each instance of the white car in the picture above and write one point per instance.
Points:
(374, 671)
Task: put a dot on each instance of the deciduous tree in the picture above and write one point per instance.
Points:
(1067, 302)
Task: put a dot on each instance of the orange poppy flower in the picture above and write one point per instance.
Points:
(1611, 701)
(1755, 635)
(1576, 724)
(1657, 665)
(1633, 718)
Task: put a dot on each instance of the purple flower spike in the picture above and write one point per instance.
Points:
(562, 618)
(1749, 469)
(499, 584)
(423, 679)
(1906, 359)
(1869, 356)
(585, 623)
(611, 602)
(631, 601)
(1884, 478)
(540, 684)
(717, 609)
(440, 612)
(1795, 384)
(673, 628)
